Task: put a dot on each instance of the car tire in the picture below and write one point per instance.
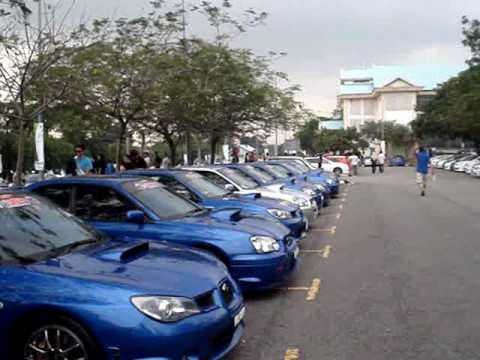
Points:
(338, 171)
(74, 339)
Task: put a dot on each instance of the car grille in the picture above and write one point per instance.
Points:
(227, 291)
(205, 301)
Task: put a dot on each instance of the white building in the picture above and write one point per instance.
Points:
(389, 93)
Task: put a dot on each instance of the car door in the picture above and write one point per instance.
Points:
(106, 209)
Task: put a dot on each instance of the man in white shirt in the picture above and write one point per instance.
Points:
(381, 162)
(355, 161)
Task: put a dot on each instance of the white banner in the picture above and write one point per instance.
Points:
(39, 147)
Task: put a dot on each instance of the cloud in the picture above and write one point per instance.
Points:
(322, 37)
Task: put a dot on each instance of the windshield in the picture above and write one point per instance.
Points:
(241, 179)
(163, 202)
(291, 169)
(202, 185)
(32, 229)
(299, 166)
(262, 175)
(277, 171)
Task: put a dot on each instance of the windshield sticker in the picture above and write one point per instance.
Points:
(12, 201)
(147, 185)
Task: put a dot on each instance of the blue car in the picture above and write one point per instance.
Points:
(259, 253)
(397, 160)
(67, 292)
(265, 179)
(282, 175)
(196, 187)
(331, 182)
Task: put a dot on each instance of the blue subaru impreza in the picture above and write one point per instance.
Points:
(68, 293)
(200, 190)
(259, 253)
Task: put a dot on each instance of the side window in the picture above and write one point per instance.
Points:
(59, 194)
(178, 188)
(216, 179)
(96, 203)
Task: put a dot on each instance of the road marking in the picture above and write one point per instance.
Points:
(292, 354)
(331, 230)
(326, 251)
(314, 290)
(298, 288)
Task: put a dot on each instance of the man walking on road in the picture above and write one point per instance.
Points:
(374, 162)
(381, 162)
(355, 161)
(423, 160)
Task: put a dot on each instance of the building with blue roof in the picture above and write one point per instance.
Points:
(389, 93)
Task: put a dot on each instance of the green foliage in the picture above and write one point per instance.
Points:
(394, 134)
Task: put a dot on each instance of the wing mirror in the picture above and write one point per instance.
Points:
(229, 187)
(136, 217)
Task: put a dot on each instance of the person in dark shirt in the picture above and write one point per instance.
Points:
(135, 161)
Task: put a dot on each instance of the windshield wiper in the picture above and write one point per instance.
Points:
(69, 248)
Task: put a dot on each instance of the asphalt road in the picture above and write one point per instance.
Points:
(398, 277)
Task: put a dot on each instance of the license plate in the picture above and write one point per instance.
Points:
(296, 252)
(239, 317)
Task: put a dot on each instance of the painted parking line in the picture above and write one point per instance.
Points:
(314, 290)
(325, 252)
(292, 354)
(332, 230)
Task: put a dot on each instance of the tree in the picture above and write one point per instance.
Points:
(393, 133)
(307, 135)
(28, 52)
(455, 110)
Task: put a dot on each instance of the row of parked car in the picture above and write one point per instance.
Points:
(149, 264)
(468, 163)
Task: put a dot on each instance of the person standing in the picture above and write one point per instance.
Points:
(381, 162)
(423, 160)
(355, 161)
(320, 160)
(80, 164)
(374, 162)
(135, 161)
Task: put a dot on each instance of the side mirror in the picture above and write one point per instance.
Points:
(229, 187)
(136, 217)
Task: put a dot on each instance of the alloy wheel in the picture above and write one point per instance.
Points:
(54, 342)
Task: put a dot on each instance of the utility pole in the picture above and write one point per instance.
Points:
(40, 136)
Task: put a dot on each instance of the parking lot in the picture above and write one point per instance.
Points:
(385, 274)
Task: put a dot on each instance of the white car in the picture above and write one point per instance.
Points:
(475, 170)
(470, 164)
(328, 165)
(235, 180)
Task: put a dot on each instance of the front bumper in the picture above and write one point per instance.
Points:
(297, 226)
(263, 272)
(210, 335)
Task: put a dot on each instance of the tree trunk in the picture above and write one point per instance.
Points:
(118, 153)
(213, 148)
(172, 147)
(20, 152)
(188, 141)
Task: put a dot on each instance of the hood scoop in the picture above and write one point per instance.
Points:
(127, 254)
(234, 215)
(253, 196)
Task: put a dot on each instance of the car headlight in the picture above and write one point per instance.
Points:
(303, 203)
(165, 309)
(320, 187)
(309, 192)
(264, 244)
(280, 214)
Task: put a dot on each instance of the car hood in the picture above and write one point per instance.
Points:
(233, 220)
(144, 267)
(261, 201)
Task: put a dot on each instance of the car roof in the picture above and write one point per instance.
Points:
(97, 179)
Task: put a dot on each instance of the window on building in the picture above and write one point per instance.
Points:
(399, 102)
(423, 100)
(369, 107)
(356, 107)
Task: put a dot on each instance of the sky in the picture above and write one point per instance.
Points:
(322, 37)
